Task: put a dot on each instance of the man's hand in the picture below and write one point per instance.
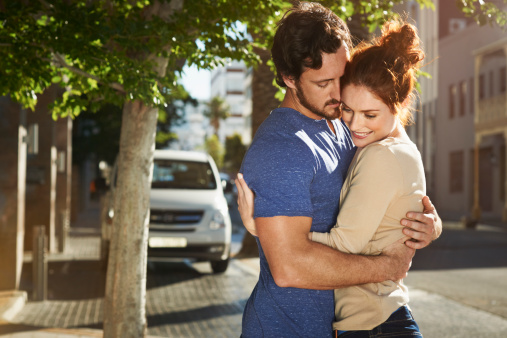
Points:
(398, 259)
(423, 227)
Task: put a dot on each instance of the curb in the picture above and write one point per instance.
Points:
(80, 333)
(11, 303)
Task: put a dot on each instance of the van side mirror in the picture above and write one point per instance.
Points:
(227, 186)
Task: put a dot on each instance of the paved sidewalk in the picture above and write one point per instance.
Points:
(76, 287)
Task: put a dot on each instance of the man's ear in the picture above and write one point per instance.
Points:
(290, 82)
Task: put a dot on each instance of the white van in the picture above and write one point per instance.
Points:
(189, 215)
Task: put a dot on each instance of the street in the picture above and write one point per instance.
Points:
(458, 288)
(459, 284)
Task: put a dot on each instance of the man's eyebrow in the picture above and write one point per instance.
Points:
(323, 80)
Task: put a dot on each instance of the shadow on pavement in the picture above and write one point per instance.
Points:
(167, 273)
(69, 280)
(195, 315)
(464, 249)
(14, 328)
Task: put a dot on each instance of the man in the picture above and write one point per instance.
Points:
(296, 166)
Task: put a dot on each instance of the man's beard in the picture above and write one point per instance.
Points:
(320, 112)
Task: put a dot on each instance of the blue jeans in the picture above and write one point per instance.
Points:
(399, 324)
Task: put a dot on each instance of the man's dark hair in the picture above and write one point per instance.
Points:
(306, 31)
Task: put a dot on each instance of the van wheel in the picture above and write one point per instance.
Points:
(219, 266)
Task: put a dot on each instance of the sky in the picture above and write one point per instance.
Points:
(197, 82)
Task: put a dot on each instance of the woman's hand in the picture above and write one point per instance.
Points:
(246, 204)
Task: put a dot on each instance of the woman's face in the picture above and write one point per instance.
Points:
(368, 118)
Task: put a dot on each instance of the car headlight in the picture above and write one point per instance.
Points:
(218, 221)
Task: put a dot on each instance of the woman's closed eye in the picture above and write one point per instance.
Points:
(346, 109)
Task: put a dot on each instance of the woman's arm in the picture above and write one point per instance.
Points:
(297, 262)
(421, 227)
(371, 192)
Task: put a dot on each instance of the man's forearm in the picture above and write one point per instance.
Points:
(296, 261)
(322, 268)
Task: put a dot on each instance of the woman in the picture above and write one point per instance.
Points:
(384, 181)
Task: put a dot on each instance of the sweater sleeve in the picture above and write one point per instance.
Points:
(375, 182)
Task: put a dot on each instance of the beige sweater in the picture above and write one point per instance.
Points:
(385, 180)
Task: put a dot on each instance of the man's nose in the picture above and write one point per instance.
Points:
(336, 94)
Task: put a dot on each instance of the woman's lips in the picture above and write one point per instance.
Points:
(361, 135)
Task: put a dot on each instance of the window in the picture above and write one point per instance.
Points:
(502, 172)
(235, 86)
(33, 139)
(462, 96)
(481, 86)
(176, 174)
(452, 98)
(503, 80)
(491, 84)
(456, 171)
(471, 94)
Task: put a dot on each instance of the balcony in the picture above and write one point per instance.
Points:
(492, 113)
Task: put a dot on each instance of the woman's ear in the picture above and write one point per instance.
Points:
(405, 104)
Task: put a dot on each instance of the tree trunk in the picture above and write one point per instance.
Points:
(125, 298)
(263, 102)
(263, 90)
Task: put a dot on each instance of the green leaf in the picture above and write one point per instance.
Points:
(92, 83)
(96, 43)
(42, 21)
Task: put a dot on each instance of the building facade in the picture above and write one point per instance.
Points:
(471, 119)
(35, 181)
(193, 131)
(422, 131)
(231, 83)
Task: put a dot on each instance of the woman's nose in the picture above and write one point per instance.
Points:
(354, 123)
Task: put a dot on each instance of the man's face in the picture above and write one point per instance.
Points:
(318, 90)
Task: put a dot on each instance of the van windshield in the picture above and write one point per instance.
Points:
(174, 174)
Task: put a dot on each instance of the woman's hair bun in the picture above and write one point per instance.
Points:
(401, 41)
(387, 66)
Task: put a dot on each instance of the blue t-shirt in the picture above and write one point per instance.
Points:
(296, 167)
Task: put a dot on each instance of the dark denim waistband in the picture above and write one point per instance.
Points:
(402, 313)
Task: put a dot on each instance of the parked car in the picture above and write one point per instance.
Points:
(189, 216)
(230, 190)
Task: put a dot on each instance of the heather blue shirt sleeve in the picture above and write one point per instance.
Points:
(280, 175)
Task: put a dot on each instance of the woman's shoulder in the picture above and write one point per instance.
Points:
(390, 152)
(396, 146)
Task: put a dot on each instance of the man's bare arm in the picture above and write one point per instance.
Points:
(296, 261)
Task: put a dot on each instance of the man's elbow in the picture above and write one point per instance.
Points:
(286, 277)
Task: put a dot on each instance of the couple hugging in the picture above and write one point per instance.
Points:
(332, 187)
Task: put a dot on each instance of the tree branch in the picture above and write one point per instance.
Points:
(60, 60)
